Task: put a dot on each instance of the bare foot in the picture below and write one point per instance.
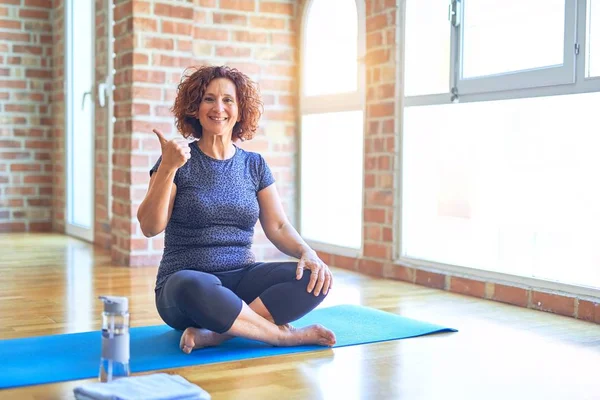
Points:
(313, 334)
(196, 338)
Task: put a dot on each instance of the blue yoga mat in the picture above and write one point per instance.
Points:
(56, 358)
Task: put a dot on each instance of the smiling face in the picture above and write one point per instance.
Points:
(218, 111)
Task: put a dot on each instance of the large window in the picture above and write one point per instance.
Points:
(509, 44)
(499, 138)
(332, 126)
(79, 116)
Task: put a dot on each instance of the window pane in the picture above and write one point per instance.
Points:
(331, 48)
(82, 135)
(427, 48)
(332, 178)
(502, 36)
(507, 186)
(593, 38)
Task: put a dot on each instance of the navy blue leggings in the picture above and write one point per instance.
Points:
(213, 301)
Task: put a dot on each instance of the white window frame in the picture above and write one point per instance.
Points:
(568, 79)
(71, 105)
(331, 103)
(580, 84)
(545, 76)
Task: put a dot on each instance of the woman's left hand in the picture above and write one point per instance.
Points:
(321, 278)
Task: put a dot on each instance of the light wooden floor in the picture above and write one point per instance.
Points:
(49, 284)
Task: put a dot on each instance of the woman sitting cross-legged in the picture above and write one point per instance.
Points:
(207, 196)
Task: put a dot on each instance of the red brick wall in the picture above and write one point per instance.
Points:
(25, 115)
(122, 223)
(57, 102)
(102, 228)
(156, 41)
(380, 136)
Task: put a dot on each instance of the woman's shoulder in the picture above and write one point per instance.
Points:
(250, 156)
(254, 162)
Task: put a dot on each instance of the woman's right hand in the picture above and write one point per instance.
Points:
(175, 152)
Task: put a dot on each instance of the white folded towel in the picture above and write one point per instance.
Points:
(159, 386)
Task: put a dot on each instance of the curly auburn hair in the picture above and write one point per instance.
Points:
(190, 92)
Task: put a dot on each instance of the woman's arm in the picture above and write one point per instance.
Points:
(155, 211)
(284, 236)
(277, 226)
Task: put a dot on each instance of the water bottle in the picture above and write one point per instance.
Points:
(114, 362)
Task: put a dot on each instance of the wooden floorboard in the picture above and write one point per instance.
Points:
(49, 284)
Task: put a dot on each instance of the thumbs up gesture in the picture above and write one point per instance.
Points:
(175, 152)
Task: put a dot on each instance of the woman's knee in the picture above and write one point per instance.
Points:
(191, 286)
(309, 297)
(201, 298)
(288, 303)
(305, 281)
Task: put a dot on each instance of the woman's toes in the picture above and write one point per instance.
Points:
(187, 341)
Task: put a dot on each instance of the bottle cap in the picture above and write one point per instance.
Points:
(115, 304)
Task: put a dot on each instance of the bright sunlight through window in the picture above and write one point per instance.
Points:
(507, 186)
(332, 132)
(523, 46)
(330, 54)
